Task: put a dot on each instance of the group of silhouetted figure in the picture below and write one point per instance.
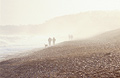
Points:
(70, 37)
(50, 41)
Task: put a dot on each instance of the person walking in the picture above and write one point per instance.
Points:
(71, 37)
(54, 40)
(49, 41)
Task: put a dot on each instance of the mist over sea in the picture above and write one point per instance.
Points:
(9, 51)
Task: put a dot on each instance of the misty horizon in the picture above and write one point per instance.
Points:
(81, 25)
(47, 20)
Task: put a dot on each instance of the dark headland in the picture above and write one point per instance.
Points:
(97, 57)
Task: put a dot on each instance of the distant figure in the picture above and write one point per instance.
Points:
(70, 37)
(54, 40)
(49, 41)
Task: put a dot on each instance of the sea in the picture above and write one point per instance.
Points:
(9, 51)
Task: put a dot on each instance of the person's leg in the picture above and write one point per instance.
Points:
(49, 43)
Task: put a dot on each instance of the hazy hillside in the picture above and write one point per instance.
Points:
(91, 22)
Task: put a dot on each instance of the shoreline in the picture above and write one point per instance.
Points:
(9, 53)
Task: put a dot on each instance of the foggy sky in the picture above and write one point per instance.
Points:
(38, 11)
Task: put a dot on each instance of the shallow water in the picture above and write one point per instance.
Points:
(7, 51)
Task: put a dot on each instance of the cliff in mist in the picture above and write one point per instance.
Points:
(91, 22)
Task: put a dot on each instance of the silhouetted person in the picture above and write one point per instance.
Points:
(54, 40)
(71, 37)
(49, 41)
